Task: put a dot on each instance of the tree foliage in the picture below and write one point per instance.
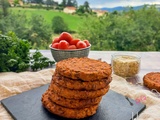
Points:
(85, 8)
(16, 23)
(70, 3)
(49, 2)
(35, 30)
(131, 30)
(37, 1)
(58, 25)
(125, 31)
(40, 32)
(4, 4)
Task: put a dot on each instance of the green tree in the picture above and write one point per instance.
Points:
(95, 31)
(87, 7)
(58, 25)
(16, 23)
(38, 1)
(16, 2)
(69, 3)
(64, 3)
(40, 32)
(80, 9)
(75, 4)
(125, 31)
(115, 12)
(4, 4)
(84, 8)
(50, 4)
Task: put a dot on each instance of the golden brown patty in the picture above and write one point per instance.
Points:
(73, 103)
(85, 69)
(152, 80)
(77, 94)
(79, 84)
(67, 112)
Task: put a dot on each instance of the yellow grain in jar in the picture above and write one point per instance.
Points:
(125, 65)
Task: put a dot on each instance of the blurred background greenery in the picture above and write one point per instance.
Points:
(127, 30)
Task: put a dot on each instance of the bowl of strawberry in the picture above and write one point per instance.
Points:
(65, 46)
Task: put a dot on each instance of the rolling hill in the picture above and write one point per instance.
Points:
(73, 21)
(121, 8)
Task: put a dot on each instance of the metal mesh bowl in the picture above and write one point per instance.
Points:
(59, 55)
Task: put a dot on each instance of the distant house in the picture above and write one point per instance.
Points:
(11, 2)
(69, 10)
(100, 12)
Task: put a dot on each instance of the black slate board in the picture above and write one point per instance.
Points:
(28, 106)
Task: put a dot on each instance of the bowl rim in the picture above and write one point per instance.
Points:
(69, 49)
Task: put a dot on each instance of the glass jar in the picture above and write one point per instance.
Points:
(125, 65)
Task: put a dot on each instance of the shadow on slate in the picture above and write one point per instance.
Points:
(28, 106)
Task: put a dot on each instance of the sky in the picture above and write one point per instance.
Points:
(115, 3)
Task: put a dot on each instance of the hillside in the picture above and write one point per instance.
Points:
(121, 8)
(73, 21)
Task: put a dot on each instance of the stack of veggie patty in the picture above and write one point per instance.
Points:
(77, 87)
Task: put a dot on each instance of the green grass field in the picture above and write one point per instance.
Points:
(73, 21)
